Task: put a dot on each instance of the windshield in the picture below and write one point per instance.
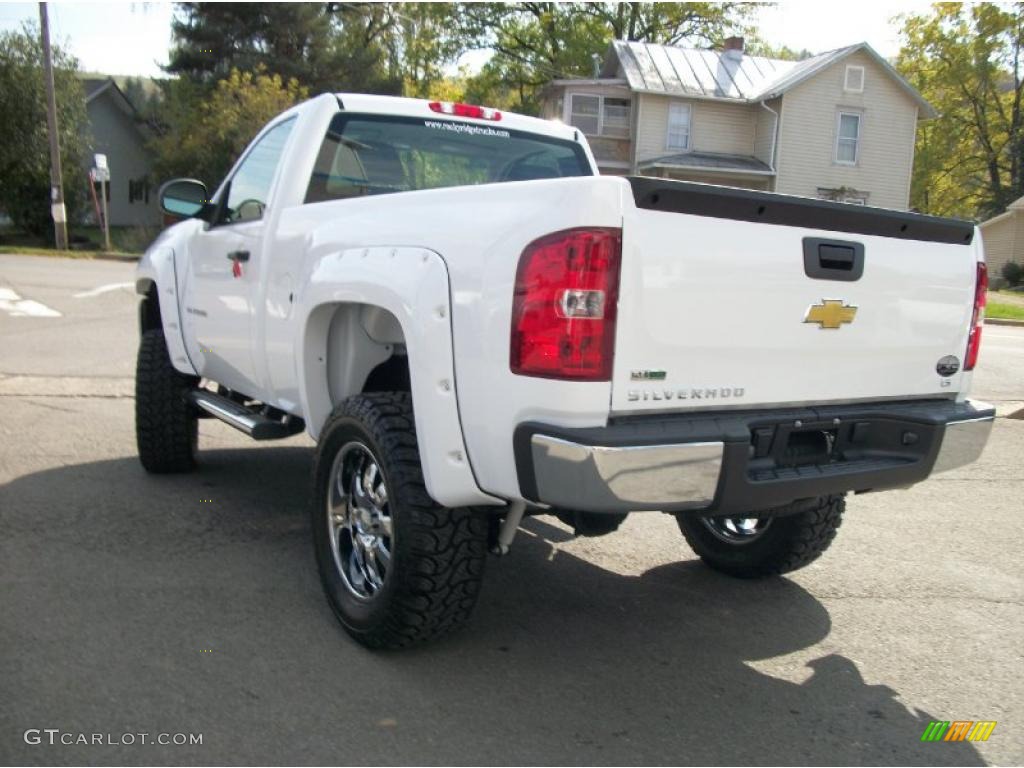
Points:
(380, 154)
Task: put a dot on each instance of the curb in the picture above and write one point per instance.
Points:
(997, 321)
(128, 257)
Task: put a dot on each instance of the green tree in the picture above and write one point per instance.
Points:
(25, 149)
(322, 46)
(206, 130)
(266, 56)
(755, 46)
(968, 61)
(535, 42)
(422, 42)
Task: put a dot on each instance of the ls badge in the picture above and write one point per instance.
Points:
(831, 313)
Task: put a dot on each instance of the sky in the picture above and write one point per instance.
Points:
(132, 38)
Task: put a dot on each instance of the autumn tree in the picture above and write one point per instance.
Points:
(535, 42)
(203, 136)
(25, 150)
(968, 61)
(755, 46)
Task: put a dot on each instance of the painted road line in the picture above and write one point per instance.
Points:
(15, 306)
(102, 289)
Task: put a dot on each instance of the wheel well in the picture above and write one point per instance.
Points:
(149, 310)
(390, 376)
(351, 348)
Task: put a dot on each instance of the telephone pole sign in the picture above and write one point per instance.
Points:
(101, 173)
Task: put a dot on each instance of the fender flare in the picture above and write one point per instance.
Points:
(157, 268)
(412, 285)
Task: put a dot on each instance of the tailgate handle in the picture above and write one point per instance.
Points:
(833, 259)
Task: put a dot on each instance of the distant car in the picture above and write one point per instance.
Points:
(474, 326)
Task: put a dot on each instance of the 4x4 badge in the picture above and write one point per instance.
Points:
(831, 313)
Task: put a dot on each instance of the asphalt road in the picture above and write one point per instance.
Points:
(131, 605)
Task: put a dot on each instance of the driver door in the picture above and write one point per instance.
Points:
(223, 272)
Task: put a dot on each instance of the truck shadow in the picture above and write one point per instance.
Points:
(565, 661)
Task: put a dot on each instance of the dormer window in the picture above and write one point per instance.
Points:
(854, 82)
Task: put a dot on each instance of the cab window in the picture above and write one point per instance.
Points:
(374, 155)
(249, 188)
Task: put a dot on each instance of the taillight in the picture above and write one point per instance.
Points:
(978, 318)
(465, 110)
(563, 308)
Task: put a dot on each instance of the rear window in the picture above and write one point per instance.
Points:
(378, 154)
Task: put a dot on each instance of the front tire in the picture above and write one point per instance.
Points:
(770, 544)
(396, 567)
(166, 427)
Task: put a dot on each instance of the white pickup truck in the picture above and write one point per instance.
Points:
(474, 326)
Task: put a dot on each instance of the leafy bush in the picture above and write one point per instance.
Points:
(1013, 273)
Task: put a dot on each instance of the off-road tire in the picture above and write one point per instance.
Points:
(166, 427)
(791, 541)
(438, 553)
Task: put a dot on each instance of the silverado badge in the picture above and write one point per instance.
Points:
(831, 313)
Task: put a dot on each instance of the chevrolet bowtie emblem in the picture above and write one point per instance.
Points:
(831, 313)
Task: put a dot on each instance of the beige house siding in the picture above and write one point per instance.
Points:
(714, 126)
(760, 183)
(1003, 241)
(610, 150)
(764, 131)
(806, 152)
(649, 137)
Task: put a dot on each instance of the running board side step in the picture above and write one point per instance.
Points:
(255, 425)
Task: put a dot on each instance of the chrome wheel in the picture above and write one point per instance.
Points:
(359, 520)
(737, 530)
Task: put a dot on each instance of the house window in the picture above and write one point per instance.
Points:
(615, 118)
(854, 82)
(138, 190)
(585, 113)
(848, 138)
(600, 115)
(678, 136)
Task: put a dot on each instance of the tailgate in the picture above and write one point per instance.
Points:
(745, 299)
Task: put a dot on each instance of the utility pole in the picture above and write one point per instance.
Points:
(60, 227)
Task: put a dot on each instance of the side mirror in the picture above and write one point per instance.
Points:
(183, 198)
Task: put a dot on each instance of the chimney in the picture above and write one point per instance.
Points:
(734, 43)
(595, 63)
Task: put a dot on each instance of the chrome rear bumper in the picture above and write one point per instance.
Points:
(742, 461)
(603, 479)
(963, 442)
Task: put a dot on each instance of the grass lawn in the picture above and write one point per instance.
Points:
(26, 250)
(88, 242)
(1007, 297)
(1002, 311)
